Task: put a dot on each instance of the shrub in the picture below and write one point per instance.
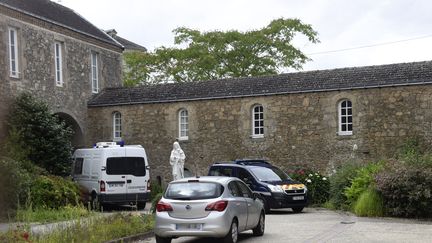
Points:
(54, 192)
(339, 182)
(318, 185)
(155, 200)
(41, 135)
(369, 204)
(155, 189)
(14, 186)
(406, 189)
(363, 180)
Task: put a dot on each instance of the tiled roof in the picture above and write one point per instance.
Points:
(300, 82)
(58, 14)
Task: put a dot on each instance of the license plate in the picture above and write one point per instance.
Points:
(116, 185)
(188, 226)
(298, 198)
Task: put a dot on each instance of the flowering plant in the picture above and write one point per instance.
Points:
(318, 185)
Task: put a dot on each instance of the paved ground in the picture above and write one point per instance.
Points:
(319, 225)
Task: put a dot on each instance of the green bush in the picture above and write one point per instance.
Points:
(339, 182)
(40, 135)
(155, 189)
(369, 204)
(318, 185)
(406, 189)
(363, 180)
(54, 192)
(14, 186)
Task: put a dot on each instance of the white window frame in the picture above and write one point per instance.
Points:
(94, 72)
(183, 124)
(13, 53)
(117, 126)
(347, 116)
(58, 62)
(258, 123)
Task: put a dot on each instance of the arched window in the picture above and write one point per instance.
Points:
(345, 118)
(258, 121)
(183, 124)
(117, 126)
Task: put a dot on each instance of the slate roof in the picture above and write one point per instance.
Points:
(127, 44)
(60, 15)
(312, 81)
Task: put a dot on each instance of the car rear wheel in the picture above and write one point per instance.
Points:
(259, 229)
(297, 209)
(232, 235)
(162, 239)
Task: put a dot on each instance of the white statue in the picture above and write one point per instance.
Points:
(177, 160)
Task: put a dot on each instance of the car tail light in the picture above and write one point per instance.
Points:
(217, 206)
(148, 186)
(102, 186)
(163, 207)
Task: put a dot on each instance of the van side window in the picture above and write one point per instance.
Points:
(78, 166)
(221, 171)
(126, 166)
(245, 176)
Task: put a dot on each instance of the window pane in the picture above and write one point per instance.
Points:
(343, 112)
(343, 119)
(261, 130)
(126, 166)
(344, 127)
(350, 119)
(257, 123)
(349, 103)
(350, 127)
(349, 111)
(343, 105)
(261, 123)
(257, 130)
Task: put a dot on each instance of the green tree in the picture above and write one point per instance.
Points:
(45, 138)
(199, 56)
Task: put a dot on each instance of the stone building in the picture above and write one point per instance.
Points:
(315, 119)
(54, 53)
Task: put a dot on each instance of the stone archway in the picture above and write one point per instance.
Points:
(77, 137)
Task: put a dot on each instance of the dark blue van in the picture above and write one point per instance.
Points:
(276, 188)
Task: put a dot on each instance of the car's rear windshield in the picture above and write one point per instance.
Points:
(269, 174)
(193, 190)
(126, 166)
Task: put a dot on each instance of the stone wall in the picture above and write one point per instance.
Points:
(36, 67)
(300, 129)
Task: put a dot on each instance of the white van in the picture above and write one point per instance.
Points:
(113, 174)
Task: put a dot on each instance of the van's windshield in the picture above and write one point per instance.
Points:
(126, 166)
(269, 173)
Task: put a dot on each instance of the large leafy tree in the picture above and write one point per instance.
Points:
(199, 56)
(40, 135)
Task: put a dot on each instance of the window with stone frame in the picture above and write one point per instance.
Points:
(94, 73)
(13, 53)
(117, 126)
(58, 64)
(258, 121)
(345, 117)
(183, 123)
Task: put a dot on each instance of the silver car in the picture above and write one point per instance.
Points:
(209, 206)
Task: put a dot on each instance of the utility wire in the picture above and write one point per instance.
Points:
(371, 45)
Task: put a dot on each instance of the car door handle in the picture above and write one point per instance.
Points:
(123, 176)
(129, 181)
(249, 204)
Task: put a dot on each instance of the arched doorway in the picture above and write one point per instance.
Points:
(77, 137)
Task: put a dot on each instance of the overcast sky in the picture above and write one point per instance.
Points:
(341, 24)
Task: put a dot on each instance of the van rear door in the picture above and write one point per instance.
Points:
(137, 176)
(116, 178)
